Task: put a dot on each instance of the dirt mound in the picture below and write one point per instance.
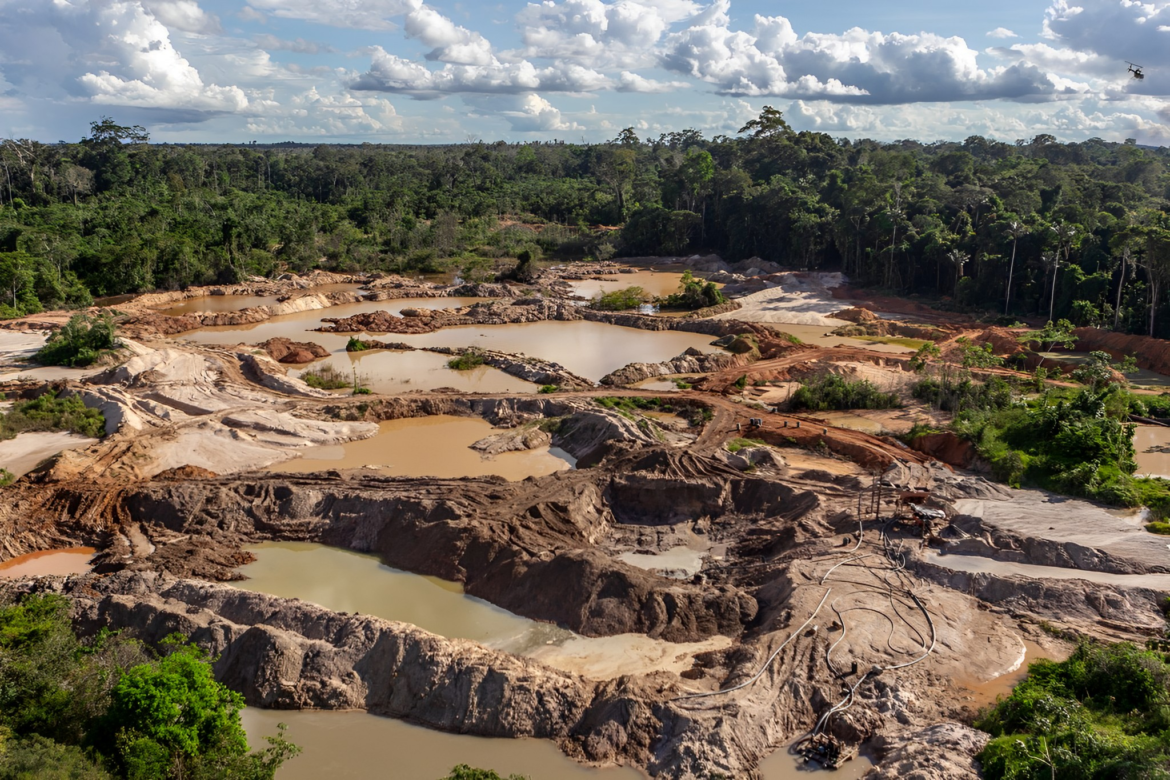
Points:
(183, 473)
(855, 314)
(948, 448)
(361, 345)
(284, 350)
(1151, 354)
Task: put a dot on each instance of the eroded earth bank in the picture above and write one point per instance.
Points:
(719, 579)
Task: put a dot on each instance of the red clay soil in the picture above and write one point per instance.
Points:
(890, 304)
(1151, 354)
(284, 350)
(870, 452)
(948, 448)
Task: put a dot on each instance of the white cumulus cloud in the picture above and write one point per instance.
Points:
(857, 65)
(1002, 32)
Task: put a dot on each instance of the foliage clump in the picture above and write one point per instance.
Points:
(109, 707)
(620, 300)
(1103, 713)
(80, 342)
(50, 412)
(694, 293)
(466, 362)
(830, 392)
(325, 377)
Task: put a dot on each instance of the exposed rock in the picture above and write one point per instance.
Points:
(687, 363)
(284, 350)
(517, 440)
(945, 751)
(948, 448)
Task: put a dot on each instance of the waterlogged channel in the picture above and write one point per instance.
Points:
(1151, 444)
(73, 560)
(437, 446)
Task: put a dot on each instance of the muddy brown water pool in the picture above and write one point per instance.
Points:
(590, 349)
(366, 747)
(1146, 440)
(437, 446)
(73, 560)
(353, 744)
(656, 283)
(347, 581)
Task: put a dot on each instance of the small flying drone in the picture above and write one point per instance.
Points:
(1136, 70)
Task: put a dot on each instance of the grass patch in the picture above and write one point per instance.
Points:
(620, 300)
(81, 342)
(830, 392)
(355, 345)
(1103, 713)
(682, 384)
(548, 389)
(50, 413)
(735, 445)
(325, 378)
(6, 477)
(1159, 527)
(792, 339)
(466, 361)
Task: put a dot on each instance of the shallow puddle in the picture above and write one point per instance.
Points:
(436, 446)
(1152, 464)
(978, 564)
(360, 746)
(21, 455)
(347, 581)
(822, 336)
(74, 560)
(677, 562)
(389, 372)
(657, 385)
(782, 765)
(985, 692)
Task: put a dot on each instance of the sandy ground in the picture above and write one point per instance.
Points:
(1068, 520)
(22, 454)
(804, 300)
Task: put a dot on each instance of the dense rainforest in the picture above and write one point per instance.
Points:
(1034, 228)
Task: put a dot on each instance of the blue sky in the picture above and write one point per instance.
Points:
(429, 71)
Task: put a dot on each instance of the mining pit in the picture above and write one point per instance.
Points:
(561, 562)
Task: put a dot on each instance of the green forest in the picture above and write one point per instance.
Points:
(1036, 227)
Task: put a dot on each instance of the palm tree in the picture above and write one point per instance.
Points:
(1017, 231)
(1052, 260)
(958, 259)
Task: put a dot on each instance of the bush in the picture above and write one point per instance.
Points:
(466, 361)
(620, 300)
(355, 345)
(325, 377)
(548, 389)
(465, 772)
(50, 413)
(81, 342)
(955, 396)
(694, 294)
(145, 717)
(1100, 714)
(830, 392)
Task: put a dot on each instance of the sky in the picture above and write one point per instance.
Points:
(440, 71)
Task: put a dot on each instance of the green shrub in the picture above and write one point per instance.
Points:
(620, 300)
(548, 389)
(80, 342)
(830, 392)
(735, 445)
(50, 413)
(694, 294)
(1101, 714)
(355, 345)
(953, 395)
(325, 377)
(466, 361)
(465, 772)
(682, 384)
